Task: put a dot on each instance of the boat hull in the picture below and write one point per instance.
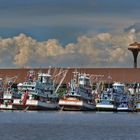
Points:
(124, 109)
(103, 107)
(34, 105)
(6, 103)
(6, 107)
(68, 105)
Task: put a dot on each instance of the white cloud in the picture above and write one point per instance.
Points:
(99, 50)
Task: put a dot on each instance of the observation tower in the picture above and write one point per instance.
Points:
(134, 48)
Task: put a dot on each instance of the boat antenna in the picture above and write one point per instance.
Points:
(49, 69)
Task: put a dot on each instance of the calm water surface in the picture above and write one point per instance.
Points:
(69, 126)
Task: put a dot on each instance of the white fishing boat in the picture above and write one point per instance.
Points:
(106, 102)
(37, 94)
(123, 99)
(110, 99)
(6, 102)
(124, 104)
(79, 94)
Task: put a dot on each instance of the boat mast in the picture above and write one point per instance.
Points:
(64, 72)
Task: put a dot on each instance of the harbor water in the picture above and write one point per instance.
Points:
(69, 126)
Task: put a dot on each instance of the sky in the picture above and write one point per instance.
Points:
(68, 33)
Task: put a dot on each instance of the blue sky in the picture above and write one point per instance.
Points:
(66, 20)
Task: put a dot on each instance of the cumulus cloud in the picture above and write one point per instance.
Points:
(97, 50)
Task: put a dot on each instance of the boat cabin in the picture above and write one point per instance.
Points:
(84, 80)
(118, 87)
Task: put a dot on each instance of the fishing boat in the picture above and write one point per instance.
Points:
(110, 98)
(116, 98)
(125, 103)
(37, 94)
(6, 102)
(79, 94)
(123, 99)
(106, 102)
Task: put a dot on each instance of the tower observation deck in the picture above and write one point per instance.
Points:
(134, 48)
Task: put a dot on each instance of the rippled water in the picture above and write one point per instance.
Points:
(69, 126)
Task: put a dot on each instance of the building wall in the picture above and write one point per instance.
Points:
(109, 75)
